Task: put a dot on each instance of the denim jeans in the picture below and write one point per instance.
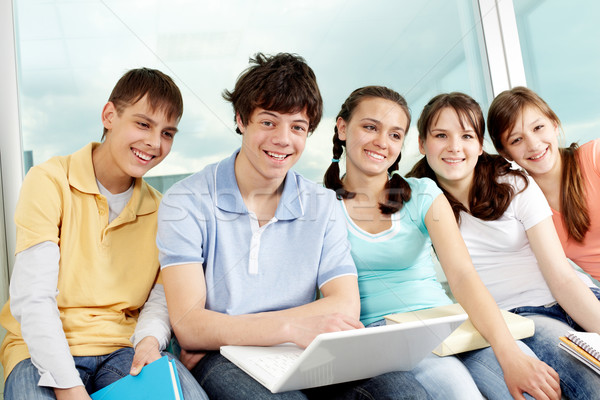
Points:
(96, 372)
(221, 379)
(444, 378)
(487, 373)
(577, 381)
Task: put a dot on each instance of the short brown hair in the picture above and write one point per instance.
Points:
(282, 83)
(163, 94)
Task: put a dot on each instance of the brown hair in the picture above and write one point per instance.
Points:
(397, 189)
(488, 198)
(163, 94)
(502, 116)
(282, 83)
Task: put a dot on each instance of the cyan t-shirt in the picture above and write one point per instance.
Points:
(395, 267)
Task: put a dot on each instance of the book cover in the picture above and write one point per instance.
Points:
(157, 380)
(465, 337)
(579, 353)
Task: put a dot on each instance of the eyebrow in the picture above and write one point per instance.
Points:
(300, 120)
(376, 121)
(153, 122)
(514, 132)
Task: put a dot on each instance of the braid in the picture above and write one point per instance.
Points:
(332, 179)
(397, 191)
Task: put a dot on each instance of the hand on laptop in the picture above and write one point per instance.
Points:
(305, 329)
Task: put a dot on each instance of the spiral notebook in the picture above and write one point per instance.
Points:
(585, 346)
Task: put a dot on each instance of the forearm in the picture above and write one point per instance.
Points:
(154, 319)
(484, 314)
(33, 304)
(202, 329)
(338, 309)
(578, 301)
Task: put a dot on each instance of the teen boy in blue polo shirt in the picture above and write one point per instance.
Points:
(244, 243)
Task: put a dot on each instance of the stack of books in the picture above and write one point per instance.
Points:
(585, 346)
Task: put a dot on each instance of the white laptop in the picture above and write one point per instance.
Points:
(343, 356)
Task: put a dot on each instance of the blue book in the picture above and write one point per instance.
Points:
(157, 380)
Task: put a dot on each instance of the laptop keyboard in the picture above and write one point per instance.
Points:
(277, 364)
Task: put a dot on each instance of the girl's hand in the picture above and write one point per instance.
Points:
(527, 374)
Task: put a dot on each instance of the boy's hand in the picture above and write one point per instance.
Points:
(74, 393)
(190, 358)
(305, 329)
(146, 352)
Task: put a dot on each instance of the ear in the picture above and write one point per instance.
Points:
(421, 146)
(238, 121)
(341, 128)
(109, 112)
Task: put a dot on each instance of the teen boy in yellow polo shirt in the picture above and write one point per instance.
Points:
(86, 256)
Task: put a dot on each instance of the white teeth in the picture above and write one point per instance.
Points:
(143, 156)
(540, 156)
(374, 155)
(452, 161)
(277, 156)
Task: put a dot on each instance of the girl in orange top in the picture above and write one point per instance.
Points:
(524, 129)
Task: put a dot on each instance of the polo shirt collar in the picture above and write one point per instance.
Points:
(229, 198)
(82, 177)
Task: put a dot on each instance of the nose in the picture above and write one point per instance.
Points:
(153, 139)
(282, 134)
(454, 144)
(380, 141)
(531, 142)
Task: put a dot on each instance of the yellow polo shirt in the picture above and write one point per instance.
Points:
(106, 271)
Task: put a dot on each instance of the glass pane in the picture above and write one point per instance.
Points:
(560, 42)
(72, 53)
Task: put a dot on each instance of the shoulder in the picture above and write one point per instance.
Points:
(195, 182)
(307, 185)
(589, 154)
(53, 171)
(423, 185)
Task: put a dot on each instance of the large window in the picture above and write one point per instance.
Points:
(560, 42)
(70, 54)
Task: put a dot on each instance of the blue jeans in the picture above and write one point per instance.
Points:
(577, 381)
(221, 379)
(96, 372)
(444, 378)
(487, 373)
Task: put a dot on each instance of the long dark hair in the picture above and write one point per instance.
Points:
(397, 189)
(502, 116)
(488, 198)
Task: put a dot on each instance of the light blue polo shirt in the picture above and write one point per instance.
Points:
(395, 267)
(250, 269)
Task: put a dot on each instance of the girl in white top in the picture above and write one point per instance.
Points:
(507, 225)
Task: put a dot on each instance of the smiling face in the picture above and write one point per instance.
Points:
(374, 136)
(272, 142)
(137, 139)
(533, 142)
(452, 148)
